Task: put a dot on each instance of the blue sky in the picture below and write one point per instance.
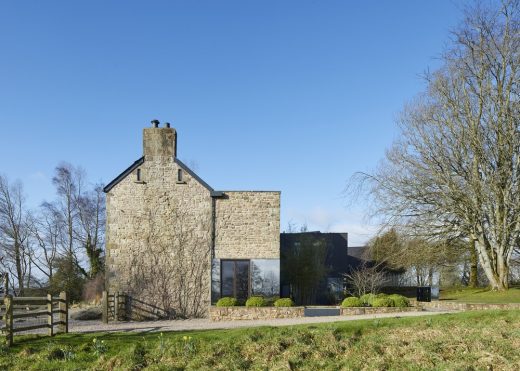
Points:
(266, 95)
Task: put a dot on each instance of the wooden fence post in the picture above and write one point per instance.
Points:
(116, 306)
(5, 277)
(64, 312)
(50, 322)
(122, 313)
(8, 319)
(104, 300)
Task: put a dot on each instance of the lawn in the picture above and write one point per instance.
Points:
(481, 295)
(457, 341)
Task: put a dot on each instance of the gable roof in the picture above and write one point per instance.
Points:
(123, 175)
(183, 166)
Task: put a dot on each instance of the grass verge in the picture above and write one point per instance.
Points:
(480, 340)
(481, 295)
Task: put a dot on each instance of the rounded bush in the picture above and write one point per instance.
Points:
(284, 302)
(352, 302)
(367, 299)
(399, 300)
(227, 302)
(382, 302)
(256, 301)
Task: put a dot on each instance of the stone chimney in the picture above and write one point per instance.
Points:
(159, 143)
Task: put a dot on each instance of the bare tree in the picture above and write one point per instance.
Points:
(68, 182)
(14, 234)
(91, 225)
(45, 230)
(365, 279)
(456, 171)
(81, 211)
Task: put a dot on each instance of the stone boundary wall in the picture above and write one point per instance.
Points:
(447, 305)
(249, 313)
(376, 310)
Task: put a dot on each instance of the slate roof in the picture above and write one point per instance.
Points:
(181, 164)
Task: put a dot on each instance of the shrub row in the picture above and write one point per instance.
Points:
(379, 300)
(254, 301)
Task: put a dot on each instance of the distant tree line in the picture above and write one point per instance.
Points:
(58, 245)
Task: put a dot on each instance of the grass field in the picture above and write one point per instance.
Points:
(481, 295)
(471, 340)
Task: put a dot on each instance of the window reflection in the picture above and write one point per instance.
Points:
(228, 273)
(215, 280)
(265, 277)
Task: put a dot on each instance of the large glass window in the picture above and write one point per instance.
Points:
(265, 277)
(235, 278)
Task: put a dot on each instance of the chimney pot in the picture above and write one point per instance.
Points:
(155, 123)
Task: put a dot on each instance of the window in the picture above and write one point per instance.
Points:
(138, 175)
(235, 278)
(179, 175)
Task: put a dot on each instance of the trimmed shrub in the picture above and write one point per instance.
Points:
(382, 302)
(256, 301)
(399, 300)
(227, 302)
(352, 302)
(284, 302)
(367, 299)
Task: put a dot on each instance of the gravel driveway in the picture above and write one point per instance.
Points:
(206, 324)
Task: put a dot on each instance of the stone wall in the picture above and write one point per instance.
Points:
(248, 225)
(449, 305)
(250, 313)
(373, 310)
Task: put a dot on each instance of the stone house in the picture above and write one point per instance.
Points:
(175, 244)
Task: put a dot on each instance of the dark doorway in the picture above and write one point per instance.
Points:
(235, 278)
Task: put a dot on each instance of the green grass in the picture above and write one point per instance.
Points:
(481, 295)
(471, 340)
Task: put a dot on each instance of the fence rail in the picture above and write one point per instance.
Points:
(34, 307)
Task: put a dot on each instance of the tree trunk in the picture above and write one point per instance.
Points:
(495, 268)
(473, 265)
(18, 262)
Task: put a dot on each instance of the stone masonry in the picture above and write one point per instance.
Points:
(163, 220)
(248, 225)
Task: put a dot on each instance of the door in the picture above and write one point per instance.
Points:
(235, 278)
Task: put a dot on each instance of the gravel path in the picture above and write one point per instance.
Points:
(206, 324)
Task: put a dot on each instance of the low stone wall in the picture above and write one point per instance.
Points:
(249, 313)
(449, 305)
(245, 313)
(376, 310)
